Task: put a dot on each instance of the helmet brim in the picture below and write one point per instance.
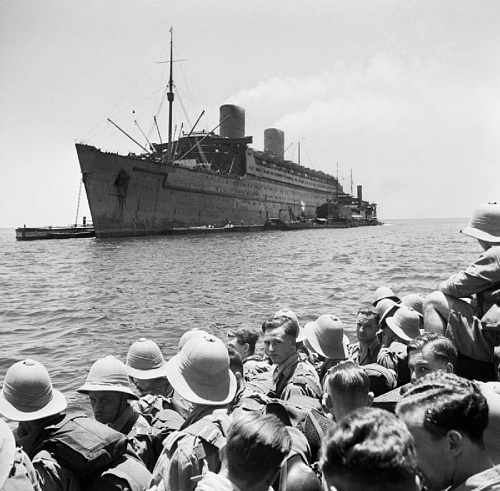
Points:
(86, 388)
(210, 393)
(147, 374)
(480, 234)
(56, 405)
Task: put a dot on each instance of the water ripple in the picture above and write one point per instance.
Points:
(69, 302)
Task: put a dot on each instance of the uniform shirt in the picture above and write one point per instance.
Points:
(139, 430)
(295, 377)
(216, 482)
(395, 357)
(254, 365)
(482, 276)
(22, 476)
(181, 459)
(363, 355)
(488, 480)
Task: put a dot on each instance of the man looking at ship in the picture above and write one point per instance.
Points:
(291, 376)
(244, 341)
(466, 306)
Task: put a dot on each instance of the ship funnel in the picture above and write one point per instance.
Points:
(274, 142)
(360, 194)
(232, 121)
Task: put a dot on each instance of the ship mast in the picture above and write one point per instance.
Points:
(170, 97)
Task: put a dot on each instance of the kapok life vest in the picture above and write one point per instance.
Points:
(83, 444)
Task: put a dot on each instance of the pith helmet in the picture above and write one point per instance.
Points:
(200, 372)
(384, 292)
(485, 223)
(188, 335)
(293, 317)
(28, 394)
(145, 360)
(405, 323)
(107, 374)
(7, 451)
(415, 301)
(385, 308)
(326, 336)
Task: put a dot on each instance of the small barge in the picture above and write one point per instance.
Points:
(69, 232)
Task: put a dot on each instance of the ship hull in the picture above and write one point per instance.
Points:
(133, 196)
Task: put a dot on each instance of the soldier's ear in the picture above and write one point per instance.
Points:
(369, 399)
(327, 402)
(222, 454)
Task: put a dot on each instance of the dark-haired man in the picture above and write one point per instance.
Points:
(256, 446)
(430, 352)
(447, 416)
(291, 376)
(244, 342)
(369, 450)
(347, 389)
(367, 348)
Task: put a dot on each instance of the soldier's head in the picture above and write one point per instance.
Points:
(257, 444)
(447, 416)
(347, 389)
(430, 352)
(243, 341)
(28, 394)
(369, 449)
(145, 364)
(367, 325)
(484, 225)
(200, 373)
(107, 386)
(280, 335)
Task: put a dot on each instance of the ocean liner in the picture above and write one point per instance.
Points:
(203, 180)
(212, 181)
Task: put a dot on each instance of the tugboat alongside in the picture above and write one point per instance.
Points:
(211, 181)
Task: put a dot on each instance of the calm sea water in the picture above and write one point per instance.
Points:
(67, 303)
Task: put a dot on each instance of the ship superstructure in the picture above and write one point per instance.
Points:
(212, 180)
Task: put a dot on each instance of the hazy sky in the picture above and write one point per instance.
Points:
(405, 93)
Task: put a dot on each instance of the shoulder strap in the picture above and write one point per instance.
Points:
(209, 432)
(303, 377)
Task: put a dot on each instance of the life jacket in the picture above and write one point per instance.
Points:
(22, 477)
(91, 450)
(300, 412)
(84, 444)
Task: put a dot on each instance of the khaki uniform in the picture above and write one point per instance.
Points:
(140, 433)
(295, 377)
(191, 451)
(22, 476)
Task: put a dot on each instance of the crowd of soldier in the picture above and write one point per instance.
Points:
(313, 408)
